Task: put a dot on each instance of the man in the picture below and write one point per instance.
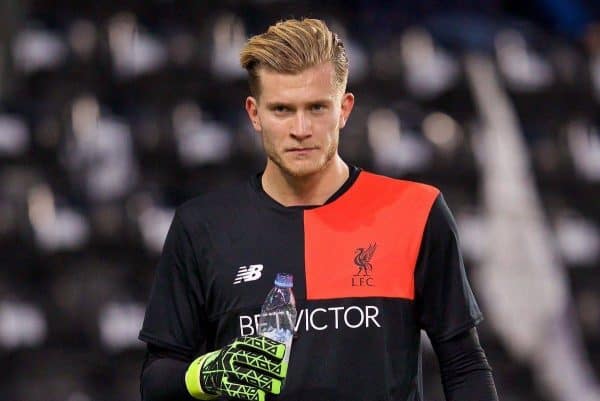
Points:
(374, 259)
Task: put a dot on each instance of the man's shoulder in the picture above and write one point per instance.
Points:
(384, 182)
(216, 201)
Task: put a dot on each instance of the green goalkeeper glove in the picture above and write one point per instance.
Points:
(246, 369)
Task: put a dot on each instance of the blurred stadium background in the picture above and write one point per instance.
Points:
(114, 112)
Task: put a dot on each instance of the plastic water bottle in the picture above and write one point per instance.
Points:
(277, 318)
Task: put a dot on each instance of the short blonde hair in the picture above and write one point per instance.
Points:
(292, 46)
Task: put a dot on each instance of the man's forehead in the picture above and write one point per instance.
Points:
(318, 81)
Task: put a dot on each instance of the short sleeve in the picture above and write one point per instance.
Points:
(174, 316)
(445, 302)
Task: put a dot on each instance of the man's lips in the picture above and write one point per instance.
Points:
(302, 149)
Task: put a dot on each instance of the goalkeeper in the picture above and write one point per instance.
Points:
(375, 259)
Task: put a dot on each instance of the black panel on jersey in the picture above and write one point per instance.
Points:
(175, 312)
(446, 305)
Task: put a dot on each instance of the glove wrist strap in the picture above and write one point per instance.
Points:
(192, 379)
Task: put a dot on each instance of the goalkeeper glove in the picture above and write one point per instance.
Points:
(246, 369)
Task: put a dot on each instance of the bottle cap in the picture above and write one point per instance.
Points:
(284, 280)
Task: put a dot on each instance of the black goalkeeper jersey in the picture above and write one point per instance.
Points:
(378, 262)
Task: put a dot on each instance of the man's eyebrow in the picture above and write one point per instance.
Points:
(278, 104)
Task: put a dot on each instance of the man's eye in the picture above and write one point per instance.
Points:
(280, 109)
(318, 107)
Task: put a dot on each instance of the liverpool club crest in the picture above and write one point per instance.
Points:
(362, 260)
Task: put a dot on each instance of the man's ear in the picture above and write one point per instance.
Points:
(252, 110)
(347, 105)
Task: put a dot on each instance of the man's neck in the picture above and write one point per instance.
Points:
(308, 190)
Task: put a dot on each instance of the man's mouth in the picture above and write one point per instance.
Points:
(301, 149)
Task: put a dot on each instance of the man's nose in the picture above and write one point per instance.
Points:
(301, 128)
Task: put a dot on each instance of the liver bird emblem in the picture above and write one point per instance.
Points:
(362, 259)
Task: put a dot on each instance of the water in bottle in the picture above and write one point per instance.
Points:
(278, 314)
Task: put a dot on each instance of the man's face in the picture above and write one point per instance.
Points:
(299, 117)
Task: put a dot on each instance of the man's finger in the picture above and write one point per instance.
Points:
(259, 362)
(255, 379)
(262, 344)
(242, 391)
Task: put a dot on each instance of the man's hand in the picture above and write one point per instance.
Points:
(246, 369)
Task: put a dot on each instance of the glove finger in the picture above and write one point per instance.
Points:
(255, 379)
(241, 391)
(258, 362)
(262, 344)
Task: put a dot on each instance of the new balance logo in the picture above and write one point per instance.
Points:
(248, 273)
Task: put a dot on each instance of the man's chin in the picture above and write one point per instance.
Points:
(302, 170)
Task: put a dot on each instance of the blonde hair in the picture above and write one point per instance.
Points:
(292, 46)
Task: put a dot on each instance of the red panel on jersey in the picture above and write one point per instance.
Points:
(366, 243)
